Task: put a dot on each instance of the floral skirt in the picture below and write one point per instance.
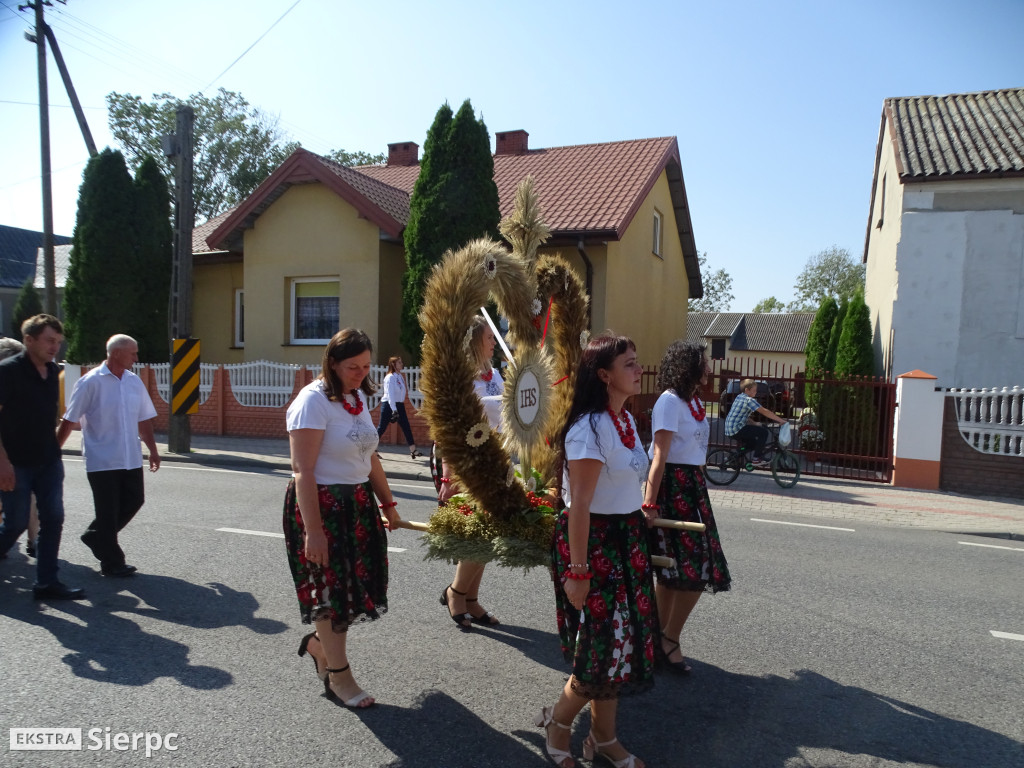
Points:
(610, 643)
(353, 586)
(700, 562)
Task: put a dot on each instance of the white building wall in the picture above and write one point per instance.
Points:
(961, 297)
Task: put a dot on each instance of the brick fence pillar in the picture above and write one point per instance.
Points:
(918, 432)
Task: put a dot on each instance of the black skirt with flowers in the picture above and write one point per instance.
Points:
(353, 586)
(610, 643)
(700, 561)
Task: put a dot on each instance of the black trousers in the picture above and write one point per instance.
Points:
(117, 495)
(753, 436)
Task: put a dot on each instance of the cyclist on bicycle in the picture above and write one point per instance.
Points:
(739, 426)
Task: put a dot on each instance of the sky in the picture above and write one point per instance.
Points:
(776, 105)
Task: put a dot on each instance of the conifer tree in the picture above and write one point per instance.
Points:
(154, 262)
(99, 294)
(856, 354)
(454, 200)
(817, 346)
(833, 340)
(28, 304)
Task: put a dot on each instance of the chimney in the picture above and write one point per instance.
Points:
(512, 142)
(404, 153)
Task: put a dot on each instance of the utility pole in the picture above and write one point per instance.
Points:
(49, 270)
(180, 146)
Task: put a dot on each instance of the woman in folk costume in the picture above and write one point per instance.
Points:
(676, 490)
(604, 591)
(393, 402)
(461, 596)
(336, 540)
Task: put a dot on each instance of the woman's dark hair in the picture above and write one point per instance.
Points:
(391, 364)
(590, 394)
(682, 368)
(346, 343)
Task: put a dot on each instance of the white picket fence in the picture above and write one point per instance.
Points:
(263, 383)
(992, 420)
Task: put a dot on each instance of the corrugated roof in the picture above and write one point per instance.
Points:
(18, 254)
(752, 331)
(959, 135)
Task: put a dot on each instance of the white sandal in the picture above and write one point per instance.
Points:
(592, 748)
(557, 756)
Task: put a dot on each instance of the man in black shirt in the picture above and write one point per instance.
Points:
(30, 459)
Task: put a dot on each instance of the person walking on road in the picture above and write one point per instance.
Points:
(9, 347)
(336, 540)
(604, 592)
(676, 490)
(393, 402)
(114, 409)
(30, 459)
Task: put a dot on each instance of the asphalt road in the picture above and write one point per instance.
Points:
(864, 647)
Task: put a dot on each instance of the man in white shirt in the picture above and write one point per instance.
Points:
(114, 409)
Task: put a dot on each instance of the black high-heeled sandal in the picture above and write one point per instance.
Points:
(679, 667)
(459, 621)
(488, 619)
(414, 453)
(304, 646)
(352, 703)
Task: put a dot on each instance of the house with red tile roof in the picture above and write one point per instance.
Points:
(945, 239)
(318, 246)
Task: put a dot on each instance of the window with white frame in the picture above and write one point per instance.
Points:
(656, 243)
(314, 310)
(239, 317)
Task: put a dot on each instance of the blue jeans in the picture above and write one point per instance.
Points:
(46, 482)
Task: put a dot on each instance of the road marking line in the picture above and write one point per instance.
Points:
(281, 536)
(252, 533)
(1006, 635)
(802, 525)
(989, 546)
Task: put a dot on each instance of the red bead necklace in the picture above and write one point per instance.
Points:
(699, 412)
(356, 409)
(628, 438)
(487, 376)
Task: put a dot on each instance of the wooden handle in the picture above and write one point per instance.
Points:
(412, 525)
(658, 561)
(678, 525)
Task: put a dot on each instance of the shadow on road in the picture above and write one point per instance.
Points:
(726, 719)
(105, 646)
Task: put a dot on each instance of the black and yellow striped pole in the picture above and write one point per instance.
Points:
(185, 377)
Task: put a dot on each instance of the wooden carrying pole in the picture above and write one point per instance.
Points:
(656, 560)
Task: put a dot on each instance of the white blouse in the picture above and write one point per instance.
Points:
(619, 486)
(689, 437)
(349, 441)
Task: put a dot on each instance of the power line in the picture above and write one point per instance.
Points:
(218, 77)
(36, 105)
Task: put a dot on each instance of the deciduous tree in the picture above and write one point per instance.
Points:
(717, 289)
(771, 304)
(832, 272)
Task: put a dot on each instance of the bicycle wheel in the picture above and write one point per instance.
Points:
(785, 468)
(722, 467)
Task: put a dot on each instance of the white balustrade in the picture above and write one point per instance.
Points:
(992, 420)
(162, 374)
(262, 383)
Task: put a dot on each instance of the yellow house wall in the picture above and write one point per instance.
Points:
(881, 283)
(787, 362)
(213, 311)
(392, 267)
(308, 232)
(598, 255)
(646, 294)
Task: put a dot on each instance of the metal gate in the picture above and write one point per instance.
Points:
(842, 427)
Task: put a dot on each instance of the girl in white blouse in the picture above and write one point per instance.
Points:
(604, 592)
(393, 402)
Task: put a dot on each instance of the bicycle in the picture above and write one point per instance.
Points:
(725, 464)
